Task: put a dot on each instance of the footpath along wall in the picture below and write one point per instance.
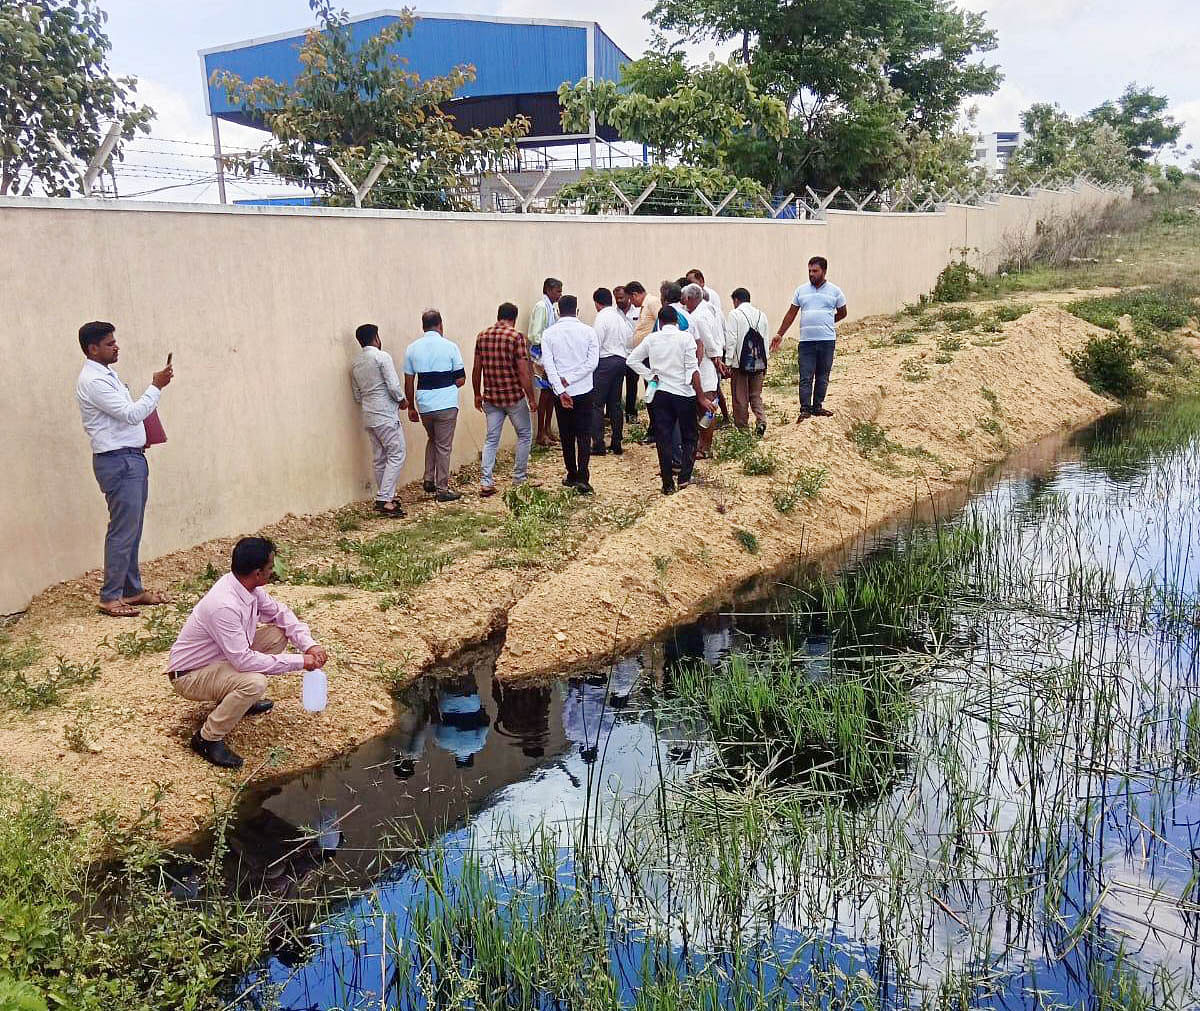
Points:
(259, 307)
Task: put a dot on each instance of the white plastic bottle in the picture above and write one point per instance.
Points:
(314, 693)
(651, 389)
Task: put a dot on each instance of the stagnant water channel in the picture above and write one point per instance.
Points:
(1030, 837)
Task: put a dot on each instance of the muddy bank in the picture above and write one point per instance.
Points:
(912, 420)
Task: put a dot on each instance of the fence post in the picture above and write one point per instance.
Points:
(859, 207)
(706, 201)
(621, 196)
(822, 205)
(90, 172)
(724, 203)
(359, 192)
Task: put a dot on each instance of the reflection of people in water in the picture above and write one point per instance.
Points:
(462, 723)
(523, 714)
(587, 716)
(622, 681)
(413, 728)
(818, 661)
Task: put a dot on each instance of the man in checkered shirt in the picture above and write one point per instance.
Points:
(503, 384)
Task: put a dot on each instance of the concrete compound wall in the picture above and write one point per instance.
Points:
(259, 307)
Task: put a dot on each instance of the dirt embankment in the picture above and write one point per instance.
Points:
(912, 419)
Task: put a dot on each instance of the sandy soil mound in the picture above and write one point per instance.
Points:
(911, 419)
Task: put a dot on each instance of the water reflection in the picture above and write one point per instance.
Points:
(507, 757)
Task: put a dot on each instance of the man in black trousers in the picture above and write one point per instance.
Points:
(570, 354)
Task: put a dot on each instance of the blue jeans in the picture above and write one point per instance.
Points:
(816, 361)
(518, 414)
(125, 480)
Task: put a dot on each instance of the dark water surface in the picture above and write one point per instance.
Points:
(474, 764)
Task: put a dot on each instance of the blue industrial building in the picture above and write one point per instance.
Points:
(519, 65)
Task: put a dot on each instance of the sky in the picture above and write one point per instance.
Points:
(1072, 52)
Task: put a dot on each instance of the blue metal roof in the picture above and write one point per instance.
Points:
(511, 57)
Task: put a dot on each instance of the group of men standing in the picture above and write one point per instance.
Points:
(678, 342)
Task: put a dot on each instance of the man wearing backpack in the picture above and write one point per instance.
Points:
(746, 356)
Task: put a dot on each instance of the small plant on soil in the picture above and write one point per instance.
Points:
(733, 444)
(990, 396)
(914, 370)
(535, 518)
(950, 343)
(904, 337)
(760, 462)
(348, 519)
(802, 483)
(1109, 365)
(747, 540)
(79, 732)
(19, 691)
(162, 628)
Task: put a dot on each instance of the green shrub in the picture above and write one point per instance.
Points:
(1009, 311)
(914, 370)
(950, 343)
(759, 462)
(535, 518)
(733, 444)
(19, 691)
(1109, 365)
(1166, 308)
(955, 282)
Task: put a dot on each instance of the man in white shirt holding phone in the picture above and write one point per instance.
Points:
(115, 426)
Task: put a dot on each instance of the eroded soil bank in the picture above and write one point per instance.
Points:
(914, 418)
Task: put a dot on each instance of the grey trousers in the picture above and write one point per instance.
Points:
(439, 426)
(518, 414)
(388, 453)
(125, 480)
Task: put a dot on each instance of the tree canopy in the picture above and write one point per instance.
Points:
(55, 83)
(356, 102)
(860, 79)
(1139, 117)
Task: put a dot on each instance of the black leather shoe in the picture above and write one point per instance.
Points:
(583, 488)
(215, 752)
(599, 451)
(570, 482)
(260, 707)
(429, 487)
(616, 450)
(447, 496)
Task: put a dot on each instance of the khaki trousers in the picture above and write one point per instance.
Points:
(747, 390)
(233, 691)
(439, 426)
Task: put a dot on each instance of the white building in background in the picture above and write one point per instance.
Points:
(992, 150)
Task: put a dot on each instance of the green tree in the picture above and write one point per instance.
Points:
(1140, 118)
(1058, 148)
(55, 83)
(674, 192)
(856, 77)
(691, 114)
(356, 102)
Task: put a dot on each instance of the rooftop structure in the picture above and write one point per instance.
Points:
(519, 64)
(992, 150)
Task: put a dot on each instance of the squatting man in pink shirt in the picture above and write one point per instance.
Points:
(224, 656)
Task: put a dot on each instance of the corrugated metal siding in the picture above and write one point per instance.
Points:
(509, 59)
(609, 57)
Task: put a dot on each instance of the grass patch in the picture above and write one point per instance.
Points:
(872, 442)
(903, 337)
(90, 936)
(746, 540)
(1165, 308)
(18, 657)
(801, 483)
(406, 556)
(950, 343)
(913, 370)
(535, 518)
(1010, 311)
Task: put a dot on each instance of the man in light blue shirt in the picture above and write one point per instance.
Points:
(433, 373)
(821, 305)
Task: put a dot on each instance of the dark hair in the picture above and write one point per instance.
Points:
(507, 311)
(94, 333)
(635, 288)
(602, 296)
(820, 261)
(549, 284)
(621, 288)
(430, 318)
(698, 272)
(568, 305)
(366, 334)
(672, 291)
(740, 295)
(250, 554)
(683, 282)
(667, 315)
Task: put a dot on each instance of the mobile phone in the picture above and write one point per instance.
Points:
(169, 355)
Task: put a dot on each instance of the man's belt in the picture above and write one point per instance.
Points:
(175, 675)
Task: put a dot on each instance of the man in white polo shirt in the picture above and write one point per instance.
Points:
(821, 305)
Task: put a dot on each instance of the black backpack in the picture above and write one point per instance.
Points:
(754, 350)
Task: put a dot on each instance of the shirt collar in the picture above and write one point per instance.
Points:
(244, 595)
(97, 367)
